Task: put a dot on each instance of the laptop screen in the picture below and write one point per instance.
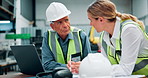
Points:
(27, 59)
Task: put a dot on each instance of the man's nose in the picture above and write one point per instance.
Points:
(65, 24)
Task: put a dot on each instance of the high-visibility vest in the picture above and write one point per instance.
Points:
(141, 66)
(74, 45)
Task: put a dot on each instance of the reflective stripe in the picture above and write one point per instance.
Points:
(140, 65)
(76, 40)
(143, 71)
(53, 45)
(104, 45)
(51, 40)
(117, 56)
(111, 57)
(118, 50)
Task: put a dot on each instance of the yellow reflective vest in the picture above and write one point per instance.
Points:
(74, 45)
(141, 66)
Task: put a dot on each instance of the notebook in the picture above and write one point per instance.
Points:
(27, 59)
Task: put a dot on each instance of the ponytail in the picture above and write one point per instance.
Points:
(129, 16)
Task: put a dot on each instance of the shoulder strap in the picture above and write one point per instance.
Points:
(77, 39)
(123, 23)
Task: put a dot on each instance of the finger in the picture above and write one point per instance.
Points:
(68, 66)
(79, 62)
(73, 63)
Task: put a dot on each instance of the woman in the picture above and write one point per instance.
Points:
(123, 39)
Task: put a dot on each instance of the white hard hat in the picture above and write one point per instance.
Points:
(56, 11)
(95, 65)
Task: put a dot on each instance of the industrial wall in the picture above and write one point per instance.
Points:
(140, 9)
(78, 9)
(78, 17)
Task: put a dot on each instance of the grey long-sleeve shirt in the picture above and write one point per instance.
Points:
(48, 60)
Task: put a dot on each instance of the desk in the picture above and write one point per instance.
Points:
(20, 75)
(5, 66)
(16, 75)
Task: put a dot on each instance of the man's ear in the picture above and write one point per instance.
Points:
(52, 26)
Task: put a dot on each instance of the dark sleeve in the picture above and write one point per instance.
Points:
(48, 59)
(85, 44)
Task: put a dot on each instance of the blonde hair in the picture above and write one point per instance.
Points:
(107, 9)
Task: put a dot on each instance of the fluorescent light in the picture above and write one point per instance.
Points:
(4, 21)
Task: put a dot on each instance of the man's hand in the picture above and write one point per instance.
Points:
(73, 66)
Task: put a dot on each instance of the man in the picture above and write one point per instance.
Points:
(63, 40)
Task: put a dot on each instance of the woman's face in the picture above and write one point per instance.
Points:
(96, 23)
(62, 26)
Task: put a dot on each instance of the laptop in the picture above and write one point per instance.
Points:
(27, 59)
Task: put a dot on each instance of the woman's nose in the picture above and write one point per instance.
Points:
(90, 24)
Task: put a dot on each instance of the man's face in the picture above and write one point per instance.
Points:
(61, 26)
